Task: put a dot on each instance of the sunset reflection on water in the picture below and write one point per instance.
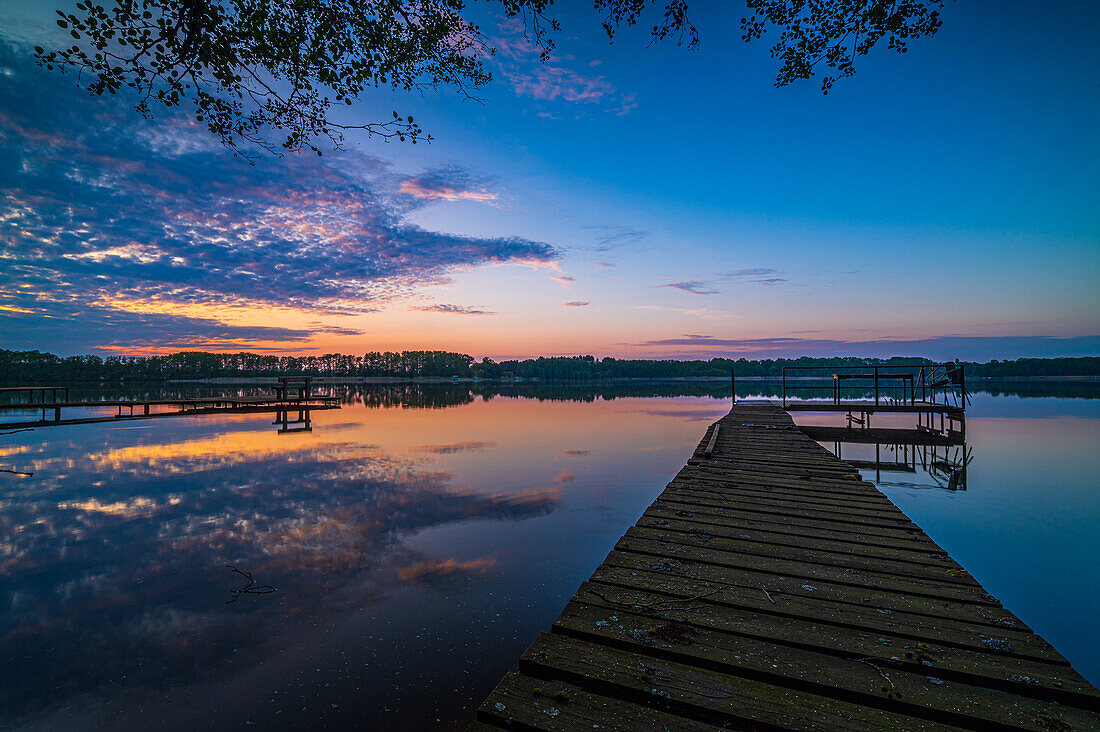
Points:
(417, 542)
(432, 525)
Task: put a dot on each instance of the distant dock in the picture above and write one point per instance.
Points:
(770, 588)
(291, 395)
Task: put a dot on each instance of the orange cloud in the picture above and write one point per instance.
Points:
(436, 568)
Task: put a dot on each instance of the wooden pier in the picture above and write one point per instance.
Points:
(770, 588)
(144, 408)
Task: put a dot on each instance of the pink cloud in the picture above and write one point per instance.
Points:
(551, 83)
(413, 187)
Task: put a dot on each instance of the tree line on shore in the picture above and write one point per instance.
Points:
(36, 366)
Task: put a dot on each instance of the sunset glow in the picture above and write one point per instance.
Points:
(628, 201)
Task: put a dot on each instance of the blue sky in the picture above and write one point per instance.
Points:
(625, 199)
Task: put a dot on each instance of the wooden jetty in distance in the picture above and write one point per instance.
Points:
(770, 588)
(292, 394)
(928, 391)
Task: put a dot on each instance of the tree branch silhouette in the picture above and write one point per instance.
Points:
(254, 69)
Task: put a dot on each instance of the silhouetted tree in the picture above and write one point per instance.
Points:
(836, 32)
(253, 67)
(37, 367)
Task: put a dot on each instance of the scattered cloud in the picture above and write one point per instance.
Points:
(134, 333)
(691, 312)
(576, 453)
(453, 309)
(564, 280)
(695, 345)
(553, 80)
(628, 104)
(565, 476)
(695, 287)
(113, 225)
(448, 183)
(576, 304)
(749, 276)
(610, 236)
(552, 83)
(748, 272)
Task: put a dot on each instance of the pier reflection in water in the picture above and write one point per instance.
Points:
(419, 538)
(940, 459)
(300, 423)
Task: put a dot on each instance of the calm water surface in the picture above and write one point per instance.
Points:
(419, 539)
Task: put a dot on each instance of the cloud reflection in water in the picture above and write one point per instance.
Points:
(112, 563)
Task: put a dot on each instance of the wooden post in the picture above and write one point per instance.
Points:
(733, 386)
(962, 386)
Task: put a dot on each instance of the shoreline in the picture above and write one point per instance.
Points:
(444, 380)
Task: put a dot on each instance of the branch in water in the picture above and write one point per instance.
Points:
(248, 589)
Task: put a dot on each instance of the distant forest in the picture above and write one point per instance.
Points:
(38, 367)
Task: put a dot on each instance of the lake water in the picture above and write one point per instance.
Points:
(419, 538)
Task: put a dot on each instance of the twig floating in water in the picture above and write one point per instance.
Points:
(15, 432)
(248, 589)
(16, 472)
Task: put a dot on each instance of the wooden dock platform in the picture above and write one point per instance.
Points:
(770, 588)
(144, 408)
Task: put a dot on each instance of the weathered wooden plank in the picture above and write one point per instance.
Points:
(714, 432)
(793, 449)
(839, 546)
(775, 456)
(872, 682)
(1008, 660)
(522, 701)
(897, 568)
(802, 487)
(777, 508)
(871, 501)
(780, 503)
(792, 471)
(877, 620)
(763, 497)
(867, 597)
(903, 538)
(700, 693)
(810, 487)
(726, 476)
(808, 573)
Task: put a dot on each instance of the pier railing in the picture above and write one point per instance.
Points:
(917, 387)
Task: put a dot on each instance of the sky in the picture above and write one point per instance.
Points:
(625, 199)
